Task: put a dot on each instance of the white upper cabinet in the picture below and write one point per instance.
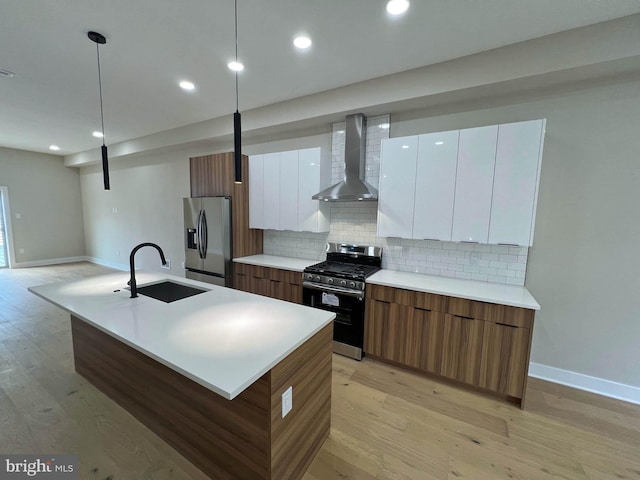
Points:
(474, 184)
(515, 185)
(256, 191)
(396, 196)
(314, 174)
(271, 191)
(289, 190)
(281, 188)
(435, 185)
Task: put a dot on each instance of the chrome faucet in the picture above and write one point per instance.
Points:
(132, 267)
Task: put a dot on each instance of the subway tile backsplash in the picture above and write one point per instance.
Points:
(356, 222)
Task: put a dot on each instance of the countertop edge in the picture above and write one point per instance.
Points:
(531, 305)
(253, 260)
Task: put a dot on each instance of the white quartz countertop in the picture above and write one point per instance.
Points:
(456, 287)
(223, 339)
(274, 261)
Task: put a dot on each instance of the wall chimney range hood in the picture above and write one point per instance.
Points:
(353, 187)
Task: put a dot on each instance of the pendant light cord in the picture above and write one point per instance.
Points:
(236, 33)
(100, 88)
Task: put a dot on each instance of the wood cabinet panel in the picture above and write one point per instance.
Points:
(213, 176)
(431, 301)
(518, 317)
(432, 339)
(270, 282)
(505, 358)
(462, 349)
(376, 313)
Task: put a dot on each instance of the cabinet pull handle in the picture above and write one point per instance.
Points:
(509, 244)
(506, 325)
(467, 241)
(423, 309)
(465, 318)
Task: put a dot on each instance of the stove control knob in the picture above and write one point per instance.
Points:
(352, 284)
(309, 276)
(343, 283)
(330, 281)
(317, 278)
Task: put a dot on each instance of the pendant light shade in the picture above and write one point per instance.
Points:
(237, 146)
(237, 130)
(100, 39)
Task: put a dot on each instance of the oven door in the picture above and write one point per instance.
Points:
(348, 326)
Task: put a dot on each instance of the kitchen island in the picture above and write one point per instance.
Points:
(207, 373)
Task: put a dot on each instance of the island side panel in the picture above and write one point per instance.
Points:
(226, 439)
(297, 438)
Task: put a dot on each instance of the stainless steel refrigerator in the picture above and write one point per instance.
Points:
(207, 230)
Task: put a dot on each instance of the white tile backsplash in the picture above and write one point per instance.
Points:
(356, 222)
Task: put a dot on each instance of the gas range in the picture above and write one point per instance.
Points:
(338, 285)
(347, 266)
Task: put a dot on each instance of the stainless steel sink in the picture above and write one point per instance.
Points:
(169, 291)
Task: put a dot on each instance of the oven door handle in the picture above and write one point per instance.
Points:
(327, 288)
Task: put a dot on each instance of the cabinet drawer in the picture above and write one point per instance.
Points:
(379, 292)
(431, 301)
(507, 315)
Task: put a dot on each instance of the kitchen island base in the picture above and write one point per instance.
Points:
(244, 438)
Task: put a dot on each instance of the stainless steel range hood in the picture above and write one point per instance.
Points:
(353, 187)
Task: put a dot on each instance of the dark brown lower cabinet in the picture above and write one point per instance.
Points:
(271, 282)
(454, 338)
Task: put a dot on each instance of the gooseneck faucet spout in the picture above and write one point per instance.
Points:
(132, 267)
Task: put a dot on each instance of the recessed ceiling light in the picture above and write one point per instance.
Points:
(396, 7)
(383, 126)
(98, 134)
(235, 66)
(186, 85)
(302, 42)
(54, 147)
(405, 146)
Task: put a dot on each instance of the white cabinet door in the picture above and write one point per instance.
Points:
(313, 176)
(271, 199)
(474, 184)
(289, 190)
(435, 185)
(256, 191)
(515, 186)
(396, 196)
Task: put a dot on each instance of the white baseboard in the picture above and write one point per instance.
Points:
(106, 263)
(51, 261)
(620, 391)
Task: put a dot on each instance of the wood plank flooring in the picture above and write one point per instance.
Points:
(386, 423)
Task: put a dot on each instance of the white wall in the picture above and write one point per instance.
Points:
(143, 205)
(46, 196)
(146, 193)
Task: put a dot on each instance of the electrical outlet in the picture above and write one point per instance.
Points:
(22, 250)
(182, 265)
(167, 266)
(287, 401)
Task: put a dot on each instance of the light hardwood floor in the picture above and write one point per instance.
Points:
(386, 423)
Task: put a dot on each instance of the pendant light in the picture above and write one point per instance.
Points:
(99, 39)
(237, 135)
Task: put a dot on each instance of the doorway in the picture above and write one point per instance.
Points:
(4, 229)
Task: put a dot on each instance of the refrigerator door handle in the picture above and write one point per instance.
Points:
(205, 234)
(199, 227)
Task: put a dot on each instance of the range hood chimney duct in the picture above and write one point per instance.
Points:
(353, 187)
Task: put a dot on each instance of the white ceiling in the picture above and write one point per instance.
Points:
(153, 44)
